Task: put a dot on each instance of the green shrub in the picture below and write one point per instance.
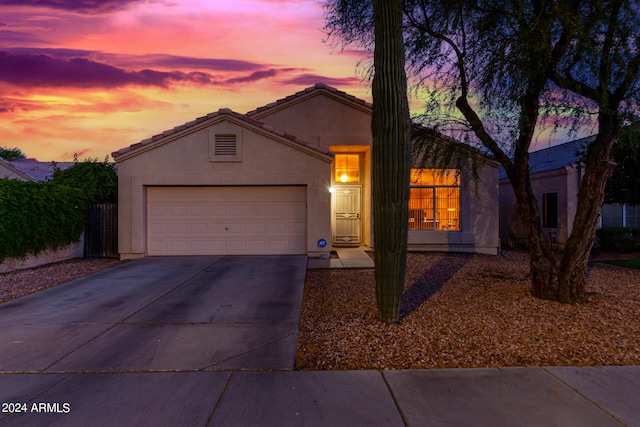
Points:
(97, 180)
(618, 239)
(38, 216)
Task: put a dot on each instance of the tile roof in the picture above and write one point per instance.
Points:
(556, 157)
(38, 171)
(223, 112)
(316, 88)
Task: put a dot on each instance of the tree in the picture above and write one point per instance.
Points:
(391, 132)
(624, 184)
(11, 154)
(499, 70)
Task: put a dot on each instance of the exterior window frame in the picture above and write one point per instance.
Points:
(434, 209)
(335, 178)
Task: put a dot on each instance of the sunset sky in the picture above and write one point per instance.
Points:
(93, 76)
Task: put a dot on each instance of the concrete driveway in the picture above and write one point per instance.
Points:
(161, 314)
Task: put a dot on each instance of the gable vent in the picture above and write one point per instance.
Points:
(225, 145)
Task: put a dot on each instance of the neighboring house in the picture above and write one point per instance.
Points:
(556, 173)
(229, 183)
(30, 169)
(7, 170)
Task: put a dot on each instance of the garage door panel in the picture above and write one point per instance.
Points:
(158, 247)
(177, 246)
(178, 230)
(217, 211)
(226, 220)
(277, 229)
(257, 227)
(199, 211)
(296, 228)
(257, 246)
(178, 210)
(197, 229)
(256, 211)
(197, 247)
(216, 230)
(217, 246)
(297, 247)
(237, 246)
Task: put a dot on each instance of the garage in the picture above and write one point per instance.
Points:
(223, 184)
(232, 220)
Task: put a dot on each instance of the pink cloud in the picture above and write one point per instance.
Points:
(33, 67)
(43, 70)
(81, 6)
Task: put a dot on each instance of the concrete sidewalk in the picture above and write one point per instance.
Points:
(347, 258)
(581, 397)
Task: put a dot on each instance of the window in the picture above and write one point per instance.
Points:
(434, 200)
(347, 168)
(550, 210)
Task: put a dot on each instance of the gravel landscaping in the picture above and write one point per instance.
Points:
(464, 311)
(19, 283)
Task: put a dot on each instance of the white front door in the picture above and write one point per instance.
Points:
(347, 221)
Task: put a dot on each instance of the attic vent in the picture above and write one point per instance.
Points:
(225, 145)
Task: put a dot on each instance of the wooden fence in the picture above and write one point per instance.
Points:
(101, 231)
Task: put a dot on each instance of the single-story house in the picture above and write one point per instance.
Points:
(30, 169)
(556, 173)
(292, 177)
(555, 177)
(7, 170)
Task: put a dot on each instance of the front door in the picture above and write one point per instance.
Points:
(347, 205)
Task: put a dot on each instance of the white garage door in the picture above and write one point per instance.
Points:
(226, 220)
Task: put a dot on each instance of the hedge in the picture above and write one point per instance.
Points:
(38, 216)
(619, 239)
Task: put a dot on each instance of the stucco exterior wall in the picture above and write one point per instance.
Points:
(565, 182)
(479, 225)
(574, 177)
(336, 124)
(184, 161)
(344, 126)
(323, 120)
